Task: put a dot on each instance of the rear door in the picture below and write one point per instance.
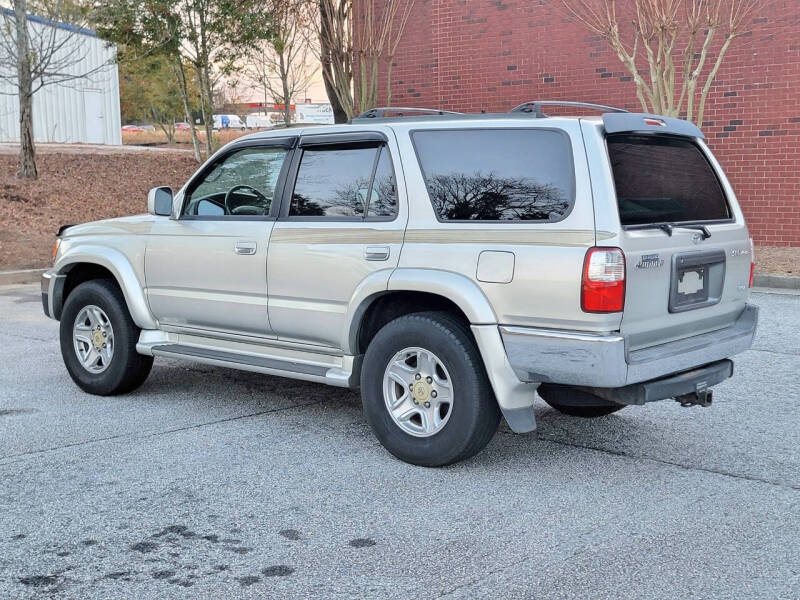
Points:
(340, 224)
(686, 245)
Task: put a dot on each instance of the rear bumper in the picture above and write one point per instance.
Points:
(693, 382)
(602, 361)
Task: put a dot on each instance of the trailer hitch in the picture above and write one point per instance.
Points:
(701, 396)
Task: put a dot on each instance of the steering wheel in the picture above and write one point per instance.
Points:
(250, 210)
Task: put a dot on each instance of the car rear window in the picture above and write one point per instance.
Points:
(497, 174)
(664, 179)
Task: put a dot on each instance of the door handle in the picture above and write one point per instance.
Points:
(245, 248)
(376, 253)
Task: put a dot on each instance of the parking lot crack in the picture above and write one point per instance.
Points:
(795, 354)
(25, 337)
(22, 456)
(674, 464)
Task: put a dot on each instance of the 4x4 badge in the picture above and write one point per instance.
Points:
(650, 261)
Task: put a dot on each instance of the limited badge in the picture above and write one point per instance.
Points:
(650, 261)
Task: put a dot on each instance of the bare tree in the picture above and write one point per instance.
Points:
(677, 38)
(375, 39)
(333, 46)
(486, 196)
(281, 67)
(34, 57)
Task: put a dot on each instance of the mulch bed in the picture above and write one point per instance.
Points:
(75, 188)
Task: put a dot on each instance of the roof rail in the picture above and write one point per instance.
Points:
(380, 112)
(535, 106)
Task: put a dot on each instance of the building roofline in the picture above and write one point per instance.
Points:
(56, 24)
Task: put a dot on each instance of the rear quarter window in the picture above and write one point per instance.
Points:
(664, 179)
(497, 174)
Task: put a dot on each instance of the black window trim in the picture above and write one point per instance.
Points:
(693, 142)
(336, 141)
(572, 200)
(289, 143)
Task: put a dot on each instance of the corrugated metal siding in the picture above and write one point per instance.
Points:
(59, 110)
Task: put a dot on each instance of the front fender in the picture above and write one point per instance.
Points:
(120, 267)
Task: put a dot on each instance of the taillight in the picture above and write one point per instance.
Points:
(752, 263)
(603, 285)
(56, 244)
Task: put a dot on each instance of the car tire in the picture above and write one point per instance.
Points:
(577, 403)
(107, 330)
(463, 414)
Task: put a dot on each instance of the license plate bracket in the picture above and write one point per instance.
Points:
(697, 279)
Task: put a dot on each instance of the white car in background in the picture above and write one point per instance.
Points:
(228, 122)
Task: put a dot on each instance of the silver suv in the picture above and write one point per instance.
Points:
(449, 265)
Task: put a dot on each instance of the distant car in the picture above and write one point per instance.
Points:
(228, 122)
(133, 128)
(181, 126)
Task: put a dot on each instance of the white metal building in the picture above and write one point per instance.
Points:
(84, 110)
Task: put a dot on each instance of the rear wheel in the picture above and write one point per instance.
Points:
(425, 392)
(577, 403)
(98, 340)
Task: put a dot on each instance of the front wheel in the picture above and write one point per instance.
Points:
(425, 392)
(577, 403)
(98, 340)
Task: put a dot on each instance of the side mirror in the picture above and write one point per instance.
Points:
(159, 201)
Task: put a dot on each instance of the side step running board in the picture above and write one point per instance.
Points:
(258, 364)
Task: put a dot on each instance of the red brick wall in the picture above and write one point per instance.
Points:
(473, 55)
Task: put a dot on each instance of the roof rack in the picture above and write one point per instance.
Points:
(535, 106)
(380, 112)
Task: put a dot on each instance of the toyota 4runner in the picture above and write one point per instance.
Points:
(449, 265)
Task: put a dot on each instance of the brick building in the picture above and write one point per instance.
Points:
(473, 55)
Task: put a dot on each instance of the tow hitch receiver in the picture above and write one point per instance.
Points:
(702, 396)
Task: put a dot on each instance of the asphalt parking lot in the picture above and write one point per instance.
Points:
(211, 483)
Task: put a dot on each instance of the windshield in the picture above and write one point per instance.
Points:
(664, 179)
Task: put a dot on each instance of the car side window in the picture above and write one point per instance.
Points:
(243, 183)
(497, 174)
(383, 198)
(342, 181)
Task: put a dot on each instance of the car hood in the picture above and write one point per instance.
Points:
(133, 225)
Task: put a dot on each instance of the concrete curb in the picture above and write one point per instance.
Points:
(24, 276)
(785, 282)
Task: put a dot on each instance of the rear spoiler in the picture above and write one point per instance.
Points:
(644, 123)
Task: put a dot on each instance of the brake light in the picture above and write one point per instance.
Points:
(603, 285)
(56, 244)
(752, 263)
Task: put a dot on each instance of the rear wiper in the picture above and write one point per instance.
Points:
(703, 228)
(668, 227)
(665, 227)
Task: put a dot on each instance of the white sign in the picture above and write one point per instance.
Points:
(314, 113)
